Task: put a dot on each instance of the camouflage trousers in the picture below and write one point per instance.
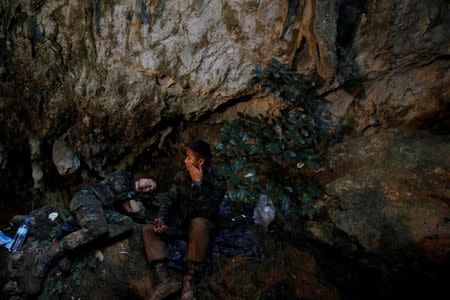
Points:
(96, 222)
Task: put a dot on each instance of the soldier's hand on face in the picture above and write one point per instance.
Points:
(195, 173)
(145, 185)
(160, 227)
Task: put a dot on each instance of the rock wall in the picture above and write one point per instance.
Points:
(392, 192)
(93, 85)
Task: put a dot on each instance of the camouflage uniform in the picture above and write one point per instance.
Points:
(190, 210)
(94, 208)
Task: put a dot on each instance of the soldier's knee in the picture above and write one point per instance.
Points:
(147, 228)
(200, 224)
(76, 202)
(127, 222)
(149, 235)
(98, 231)
(82, 198)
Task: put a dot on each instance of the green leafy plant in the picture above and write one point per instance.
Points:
(272, 155)
(57, 290)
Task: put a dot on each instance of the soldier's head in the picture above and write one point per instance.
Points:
(198, 152)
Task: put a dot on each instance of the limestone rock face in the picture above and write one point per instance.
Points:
(392, 192)
(136, 62)
(117, 75)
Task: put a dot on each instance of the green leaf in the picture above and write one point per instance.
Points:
(288, 189)
(45, 243)
(225, 169)
(234, 180)
(273, 148)
(313, 165)
(241, 194)
(232, 194)
(255, 149)
(239, 164)
(285, 203)
(292, 154)
(270, 185)
(244, 137)
(63, 216)
(304, 132)
(92, 263)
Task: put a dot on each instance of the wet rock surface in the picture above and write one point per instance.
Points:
(392, 191)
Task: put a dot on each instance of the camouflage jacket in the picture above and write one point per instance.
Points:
(186, 200)
(110, 193)
(116, 188)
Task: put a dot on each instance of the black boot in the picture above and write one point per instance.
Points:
(43, 263)
(167, 283)
(190, 280)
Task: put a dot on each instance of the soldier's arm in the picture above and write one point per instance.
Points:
(167, 202)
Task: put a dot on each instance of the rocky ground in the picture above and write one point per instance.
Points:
(119, 270)
(384, 232)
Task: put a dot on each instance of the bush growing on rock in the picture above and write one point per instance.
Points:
(271, 155)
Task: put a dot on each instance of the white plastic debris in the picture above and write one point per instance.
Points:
(250, 174)
(264, 212)
(52, 216)
(99, 255)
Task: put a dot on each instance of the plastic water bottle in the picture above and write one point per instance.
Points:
(21, 234)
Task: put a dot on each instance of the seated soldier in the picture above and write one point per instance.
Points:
(188, 211)
(95, 209)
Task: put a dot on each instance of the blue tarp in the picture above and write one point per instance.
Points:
(5, 241)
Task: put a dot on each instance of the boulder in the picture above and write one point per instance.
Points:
(64, 157)
(391, 193)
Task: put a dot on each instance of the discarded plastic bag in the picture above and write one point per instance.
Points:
(264, 211)
(5, 241)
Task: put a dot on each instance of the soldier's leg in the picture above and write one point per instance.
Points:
(155, 247)
(199, 237)
(117, 224)
(91, 218)
(156, 251)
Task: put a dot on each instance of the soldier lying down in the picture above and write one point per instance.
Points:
(95, 208)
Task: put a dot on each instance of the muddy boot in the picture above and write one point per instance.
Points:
(167, 283)
(43, 263)
(190, 281)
